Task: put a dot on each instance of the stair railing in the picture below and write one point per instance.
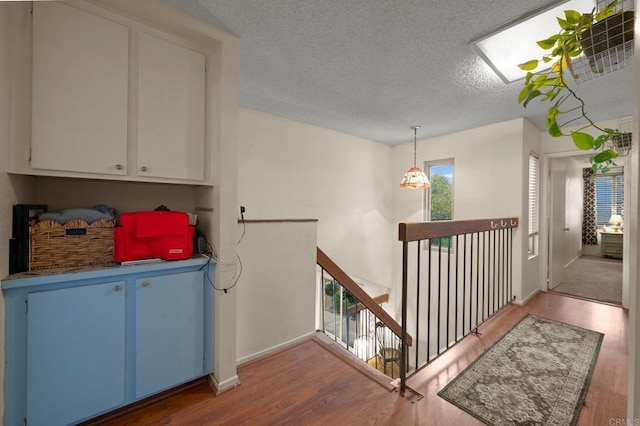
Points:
(467, 269)
(357, 321)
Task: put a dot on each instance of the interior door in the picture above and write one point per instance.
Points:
(558, 246)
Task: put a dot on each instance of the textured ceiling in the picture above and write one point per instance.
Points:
(373, 68)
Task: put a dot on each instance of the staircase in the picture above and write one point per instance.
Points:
(356, 322)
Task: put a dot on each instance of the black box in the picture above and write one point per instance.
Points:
(23, 215)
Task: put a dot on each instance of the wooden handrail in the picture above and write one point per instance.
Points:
(354, 309)
(415, 231)
(336, 272)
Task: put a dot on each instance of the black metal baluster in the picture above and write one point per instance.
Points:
(504, 268)
(511, 265)
(478, 281)
(428, 301)
(448, 290)
(471, 284)
(487, 265)
(486, 242)
(455, 333)
(439, 292)
(501, 269)
(419, 243)
(464, 281)
(375, 340)
(324, 307)
(493, 284)
(334, 288)
(345, 313)
(505, 258)
(499, 259)
(403, 338)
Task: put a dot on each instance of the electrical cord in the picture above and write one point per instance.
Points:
(244, 227)
(210, 254)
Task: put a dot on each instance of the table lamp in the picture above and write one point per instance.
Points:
(615, 220)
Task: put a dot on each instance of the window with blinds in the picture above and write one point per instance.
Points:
(533, 204)
(533, 194)
(609, 197)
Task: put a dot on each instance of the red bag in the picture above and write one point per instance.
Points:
(157, 234)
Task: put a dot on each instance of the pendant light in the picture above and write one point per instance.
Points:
(414, 177)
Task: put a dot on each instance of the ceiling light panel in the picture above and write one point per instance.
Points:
(514, 43)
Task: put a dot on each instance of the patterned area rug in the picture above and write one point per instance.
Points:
(536, 374)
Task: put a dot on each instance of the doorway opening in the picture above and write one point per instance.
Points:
(585, 232)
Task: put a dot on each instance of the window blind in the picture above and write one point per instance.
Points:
(609, 197)
(533, 193)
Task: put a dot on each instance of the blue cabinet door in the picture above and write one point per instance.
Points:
(75, 353)
(169, 331)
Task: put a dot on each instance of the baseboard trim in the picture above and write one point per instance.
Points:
(526, 299)
(276, 348)
(339, 351)
(225, 385)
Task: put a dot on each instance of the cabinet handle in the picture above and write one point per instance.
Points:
(118, 166)
(144, 284)
(117, 288)
(143, 169)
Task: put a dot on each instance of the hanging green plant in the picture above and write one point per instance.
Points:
(579, 32)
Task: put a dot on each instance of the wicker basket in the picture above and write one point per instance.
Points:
(75, 243)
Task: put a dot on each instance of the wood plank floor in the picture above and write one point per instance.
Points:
(306, 384)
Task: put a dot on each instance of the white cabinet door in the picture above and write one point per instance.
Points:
(171, 108)
(80, 91)
(169, 331)
(75, 353)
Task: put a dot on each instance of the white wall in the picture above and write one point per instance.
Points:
(486, 160)
(292, 170)
(488, 182)
(276, 291)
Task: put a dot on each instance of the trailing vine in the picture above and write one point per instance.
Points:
(551, 86)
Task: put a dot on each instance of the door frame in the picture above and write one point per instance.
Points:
(545, 223)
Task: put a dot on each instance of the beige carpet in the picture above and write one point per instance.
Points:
(594, 278)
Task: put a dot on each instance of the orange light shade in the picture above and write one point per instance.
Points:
(414, 178)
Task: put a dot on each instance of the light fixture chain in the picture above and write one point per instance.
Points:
(415, 146)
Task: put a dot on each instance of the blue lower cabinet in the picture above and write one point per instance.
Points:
(75, 353)
(80, 344)
(169, 331)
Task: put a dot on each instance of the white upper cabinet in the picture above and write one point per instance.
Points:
(171, 105)
(80, 91)
(113, 98)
